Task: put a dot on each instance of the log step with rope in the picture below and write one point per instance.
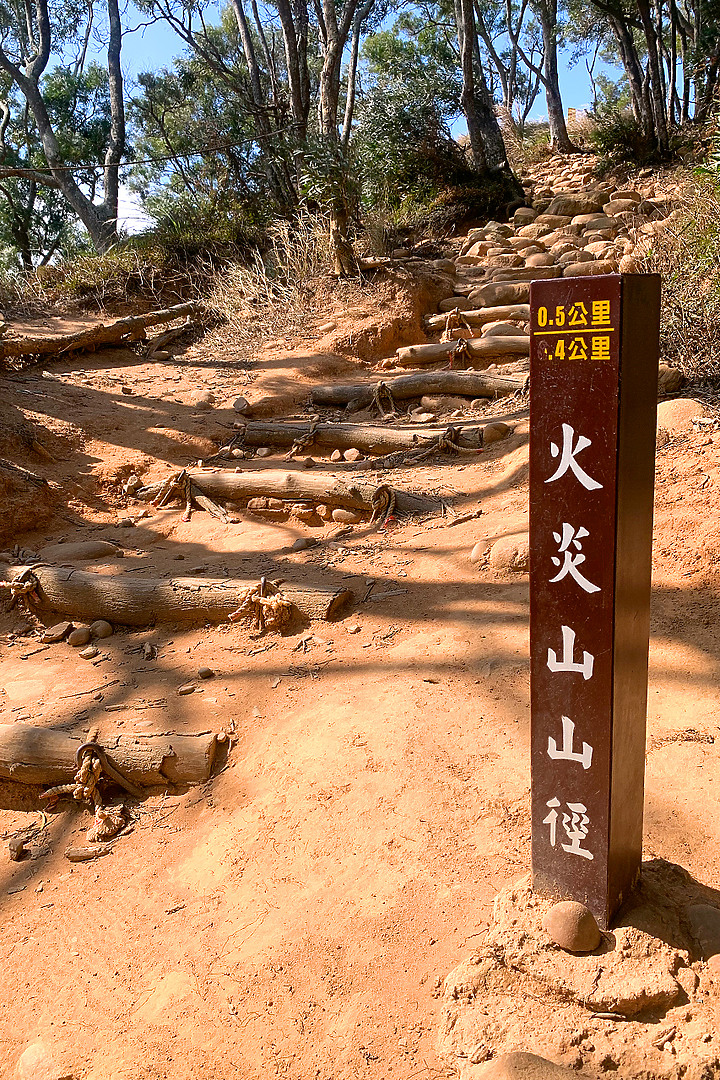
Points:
(296, 486)
(130, 328)
(369, 438)
(128, 601)
(482, 316)
(31, 756)
(475, 352)
(404, 387)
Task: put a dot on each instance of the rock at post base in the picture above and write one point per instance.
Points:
(572, 926)
(677, 414)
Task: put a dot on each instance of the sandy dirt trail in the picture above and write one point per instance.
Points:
(296, 916)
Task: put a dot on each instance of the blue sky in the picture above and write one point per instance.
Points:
(154, 47)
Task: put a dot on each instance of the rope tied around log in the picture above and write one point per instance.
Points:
(383, 503)
(382, 390)
(460, 352)
(92, 763)
(23, 590)
(454, 320)
(181, 484)
(301, 442)
(265, 606)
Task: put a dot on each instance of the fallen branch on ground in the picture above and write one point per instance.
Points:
(132, 602)
(132, 327)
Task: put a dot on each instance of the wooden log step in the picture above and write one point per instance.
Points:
(482, 350)
(482, 316)
(31, 755)
(129, 601)
(299, 486)
(369, 438)
(404, 387)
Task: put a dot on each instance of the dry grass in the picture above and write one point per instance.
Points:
(528, 147)
(687, 254)
(275, 293)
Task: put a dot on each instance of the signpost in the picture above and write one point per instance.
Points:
(593, 378)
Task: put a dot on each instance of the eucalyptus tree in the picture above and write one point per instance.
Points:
(31, 35)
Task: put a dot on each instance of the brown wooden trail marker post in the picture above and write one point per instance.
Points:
(593, 394)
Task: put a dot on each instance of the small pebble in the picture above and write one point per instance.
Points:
(241, 405)
(187, 688)
(90, 653)
(308, 463)
(476, 555)
(304, 542)
(354, 629)
(79, 637)
(16, 848)
(353, 454)
(125, 523)
(346, 517)
(205, 673)
(264, 451)
(336, 456)
(101, 629)
(56, 633)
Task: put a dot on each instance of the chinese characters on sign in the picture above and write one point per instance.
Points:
(593, 380)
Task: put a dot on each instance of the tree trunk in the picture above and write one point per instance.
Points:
(100, 219)
(656, 79)
(116, 144)
(358, 21)
(299, 105)
(30, 755)
(465, 20)
(633, 70)
(559, 138)
(131, 602)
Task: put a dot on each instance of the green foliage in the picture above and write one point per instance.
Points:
(36, 223)
(402, 141)
(617, 137)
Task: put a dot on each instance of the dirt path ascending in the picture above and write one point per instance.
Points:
(294, 917)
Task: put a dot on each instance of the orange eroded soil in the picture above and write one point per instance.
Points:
(293, 917)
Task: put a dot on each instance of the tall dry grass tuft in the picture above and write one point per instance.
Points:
(528, 146)
(687, 255)
(272, 292)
